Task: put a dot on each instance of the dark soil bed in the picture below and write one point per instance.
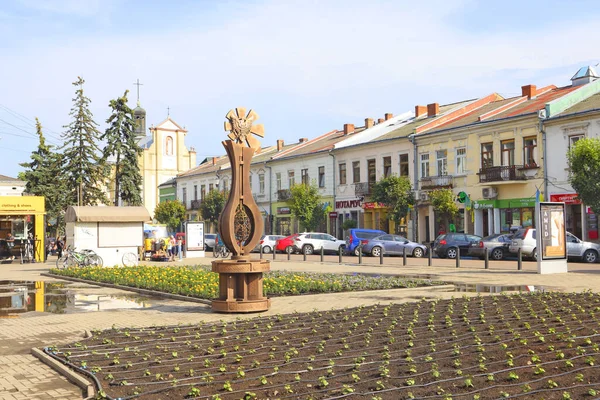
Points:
(528, 346)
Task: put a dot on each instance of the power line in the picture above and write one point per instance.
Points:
(30, 122)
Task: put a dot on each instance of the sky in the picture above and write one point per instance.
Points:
(306, 67)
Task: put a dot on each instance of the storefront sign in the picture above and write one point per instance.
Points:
(22, 204)
(515, 203)
(483, 204)
(347, 203)
(553, 234)
(283, 210)
(567, 198)
(333, 215)
(369, 205)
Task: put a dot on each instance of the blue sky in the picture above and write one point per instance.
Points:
(306, 67)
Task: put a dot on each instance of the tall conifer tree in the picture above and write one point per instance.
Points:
(43, 178)
(122, 150)
(83, 167)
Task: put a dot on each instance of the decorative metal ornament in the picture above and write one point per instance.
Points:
(240, 223)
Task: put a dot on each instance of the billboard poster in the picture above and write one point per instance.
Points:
(194, 236)
(552, 231)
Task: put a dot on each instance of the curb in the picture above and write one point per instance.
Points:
(86, 386)
(131, 289)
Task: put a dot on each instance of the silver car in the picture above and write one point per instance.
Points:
(268, 243)
(577, 249)
(393, 245)
(209, 240)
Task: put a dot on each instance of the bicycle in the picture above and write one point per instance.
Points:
(84, 258)
(130, 260)
(220, 251)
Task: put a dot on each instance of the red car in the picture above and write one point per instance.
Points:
(286, 245)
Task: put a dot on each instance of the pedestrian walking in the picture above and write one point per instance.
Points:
(179, 243)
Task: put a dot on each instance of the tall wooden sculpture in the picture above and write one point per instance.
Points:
(240, 223)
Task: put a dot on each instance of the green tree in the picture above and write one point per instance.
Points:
(396, 193)
(43, 178)
(306, 206)
(584, 165)
(171, 213)
(212, 205)
(122, 147)
(444, 204)
(83, 167)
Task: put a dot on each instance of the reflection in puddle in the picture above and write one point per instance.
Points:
(56, 297)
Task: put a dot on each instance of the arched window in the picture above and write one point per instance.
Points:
(169, 146)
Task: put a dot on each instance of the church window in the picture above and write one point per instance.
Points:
(169, 146)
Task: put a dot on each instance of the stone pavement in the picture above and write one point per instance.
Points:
(23, 377)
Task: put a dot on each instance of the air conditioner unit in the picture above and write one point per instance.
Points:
(489, 193)
(423, 196)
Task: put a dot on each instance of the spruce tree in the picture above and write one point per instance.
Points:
(122, 151)
(83, 168)
(43, 177)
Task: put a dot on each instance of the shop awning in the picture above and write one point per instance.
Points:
(107, 214)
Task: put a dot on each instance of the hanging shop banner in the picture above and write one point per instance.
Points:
(552, 231)
(567, 198)
(283, 210)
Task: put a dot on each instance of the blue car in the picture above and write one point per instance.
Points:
(358, 235)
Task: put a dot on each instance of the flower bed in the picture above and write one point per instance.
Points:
(202, 283)
(489, 347)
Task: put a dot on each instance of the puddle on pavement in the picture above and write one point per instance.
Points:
(60, 298)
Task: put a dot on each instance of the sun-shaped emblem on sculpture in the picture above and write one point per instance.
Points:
(241, 129)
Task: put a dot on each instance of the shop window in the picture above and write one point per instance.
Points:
(424, 165)
(530, 151)
(304, 176)
(371, 171)
(461, 161)
(321, 177)
(355, 171)
(342, 167)
(387, 166)
(442, 162)
(404, 167)
(487, 155)
(508, 153)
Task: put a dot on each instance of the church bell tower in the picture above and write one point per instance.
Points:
(139, 115)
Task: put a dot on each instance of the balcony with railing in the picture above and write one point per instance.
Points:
(195, 204)
(503, 173)
(363, 189)
(284, 194)
(435, 182)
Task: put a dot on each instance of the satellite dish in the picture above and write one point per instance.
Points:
(542, 114)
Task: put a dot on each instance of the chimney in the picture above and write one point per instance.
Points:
(214, 160)
(368, 123)
(420, 110)
(388, 116)
(529, 91)
(380, 120)
(279, 144)
(302, 140)
(348, 129)
(433, 109)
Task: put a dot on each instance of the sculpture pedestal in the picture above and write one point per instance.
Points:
(241, 285)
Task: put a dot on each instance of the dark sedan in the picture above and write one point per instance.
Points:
(393, 245)
(449, 244)
(496, 246)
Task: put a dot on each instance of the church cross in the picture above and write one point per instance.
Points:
(138, 84)
(168, 111)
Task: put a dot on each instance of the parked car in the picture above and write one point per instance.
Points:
(268, 242)
(357, 236)
(393, 245)
(209, 240)
(496, 246)
(286, 244)
(450, 244)
(577, 249)
(310, 242)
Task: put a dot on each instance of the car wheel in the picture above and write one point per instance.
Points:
(534, 254)
(590, 256)
(497, 254)
(376, 251)
(357, 251)
(417, 252)
(266, 249)
(451, 252)
(289, 249)
(307, 249)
